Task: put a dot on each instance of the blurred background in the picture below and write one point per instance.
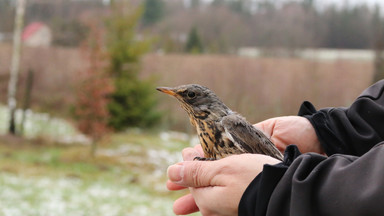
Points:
(83, 130)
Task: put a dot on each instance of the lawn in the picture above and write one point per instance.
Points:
(126, 177)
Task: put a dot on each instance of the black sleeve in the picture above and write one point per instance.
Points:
(342, 184)
(352, 130)
(316, 185)
(256, 197)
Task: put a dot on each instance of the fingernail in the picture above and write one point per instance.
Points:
(175, 173)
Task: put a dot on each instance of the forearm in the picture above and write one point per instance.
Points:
(316, 185)
(339, 185)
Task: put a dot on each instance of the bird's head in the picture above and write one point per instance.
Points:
(199, 101)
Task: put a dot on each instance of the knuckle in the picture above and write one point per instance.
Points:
(199, 175)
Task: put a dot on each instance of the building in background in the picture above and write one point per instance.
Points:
(37, 34)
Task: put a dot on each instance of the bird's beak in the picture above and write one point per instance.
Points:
(167, 90)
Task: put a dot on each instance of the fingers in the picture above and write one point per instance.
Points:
(185, 205)
(173, 187)
(195, 173)
(200, 150)
(267, 126)
(190, 153)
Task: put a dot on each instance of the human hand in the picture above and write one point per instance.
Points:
(287, 130)
(216, 186)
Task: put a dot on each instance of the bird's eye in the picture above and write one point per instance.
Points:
(191, 94)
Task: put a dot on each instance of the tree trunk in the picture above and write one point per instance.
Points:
(27, 99)
(15, 65)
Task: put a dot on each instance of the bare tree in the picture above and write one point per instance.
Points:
(15, 66)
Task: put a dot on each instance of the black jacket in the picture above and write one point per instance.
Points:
(348, 182)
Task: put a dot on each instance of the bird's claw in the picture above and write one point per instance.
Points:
(203, 159)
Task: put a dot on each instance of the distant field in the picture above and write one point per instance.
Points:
(258, 88)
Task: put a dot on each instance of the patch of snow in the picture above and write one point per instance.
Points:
(42, 124)
(169, 135)
(194, 141)
(48, 196)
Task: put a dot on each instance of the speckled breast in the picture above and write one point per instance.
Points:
(214, 141)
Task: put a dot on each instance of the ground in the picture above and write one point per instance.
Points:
(126, 177)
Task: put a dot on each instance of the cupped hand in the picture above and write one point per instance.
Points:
(287, 130)
(216, 186)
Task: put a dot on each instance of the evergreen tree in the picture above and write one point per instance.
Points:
(195, 3)
(238, 6)
(217, 3)
(133, 102)
(308, 4)
(194, 44)
(153, 11)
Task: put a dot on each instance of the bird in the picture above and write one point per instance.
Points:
(221, 131)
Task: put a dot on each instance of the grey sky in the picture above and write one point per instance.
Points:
(325, 2)
(354, 2)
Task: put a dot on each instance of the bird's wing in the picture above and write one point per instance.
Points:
(246, 137)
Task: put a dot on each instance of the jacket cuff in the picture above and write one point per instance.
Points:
(256, 197)
(319, 123)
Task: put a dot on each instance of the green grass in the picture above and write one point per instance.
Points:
(126, 177)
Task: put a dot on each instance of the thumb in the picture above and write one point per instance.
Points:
(194, 173)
